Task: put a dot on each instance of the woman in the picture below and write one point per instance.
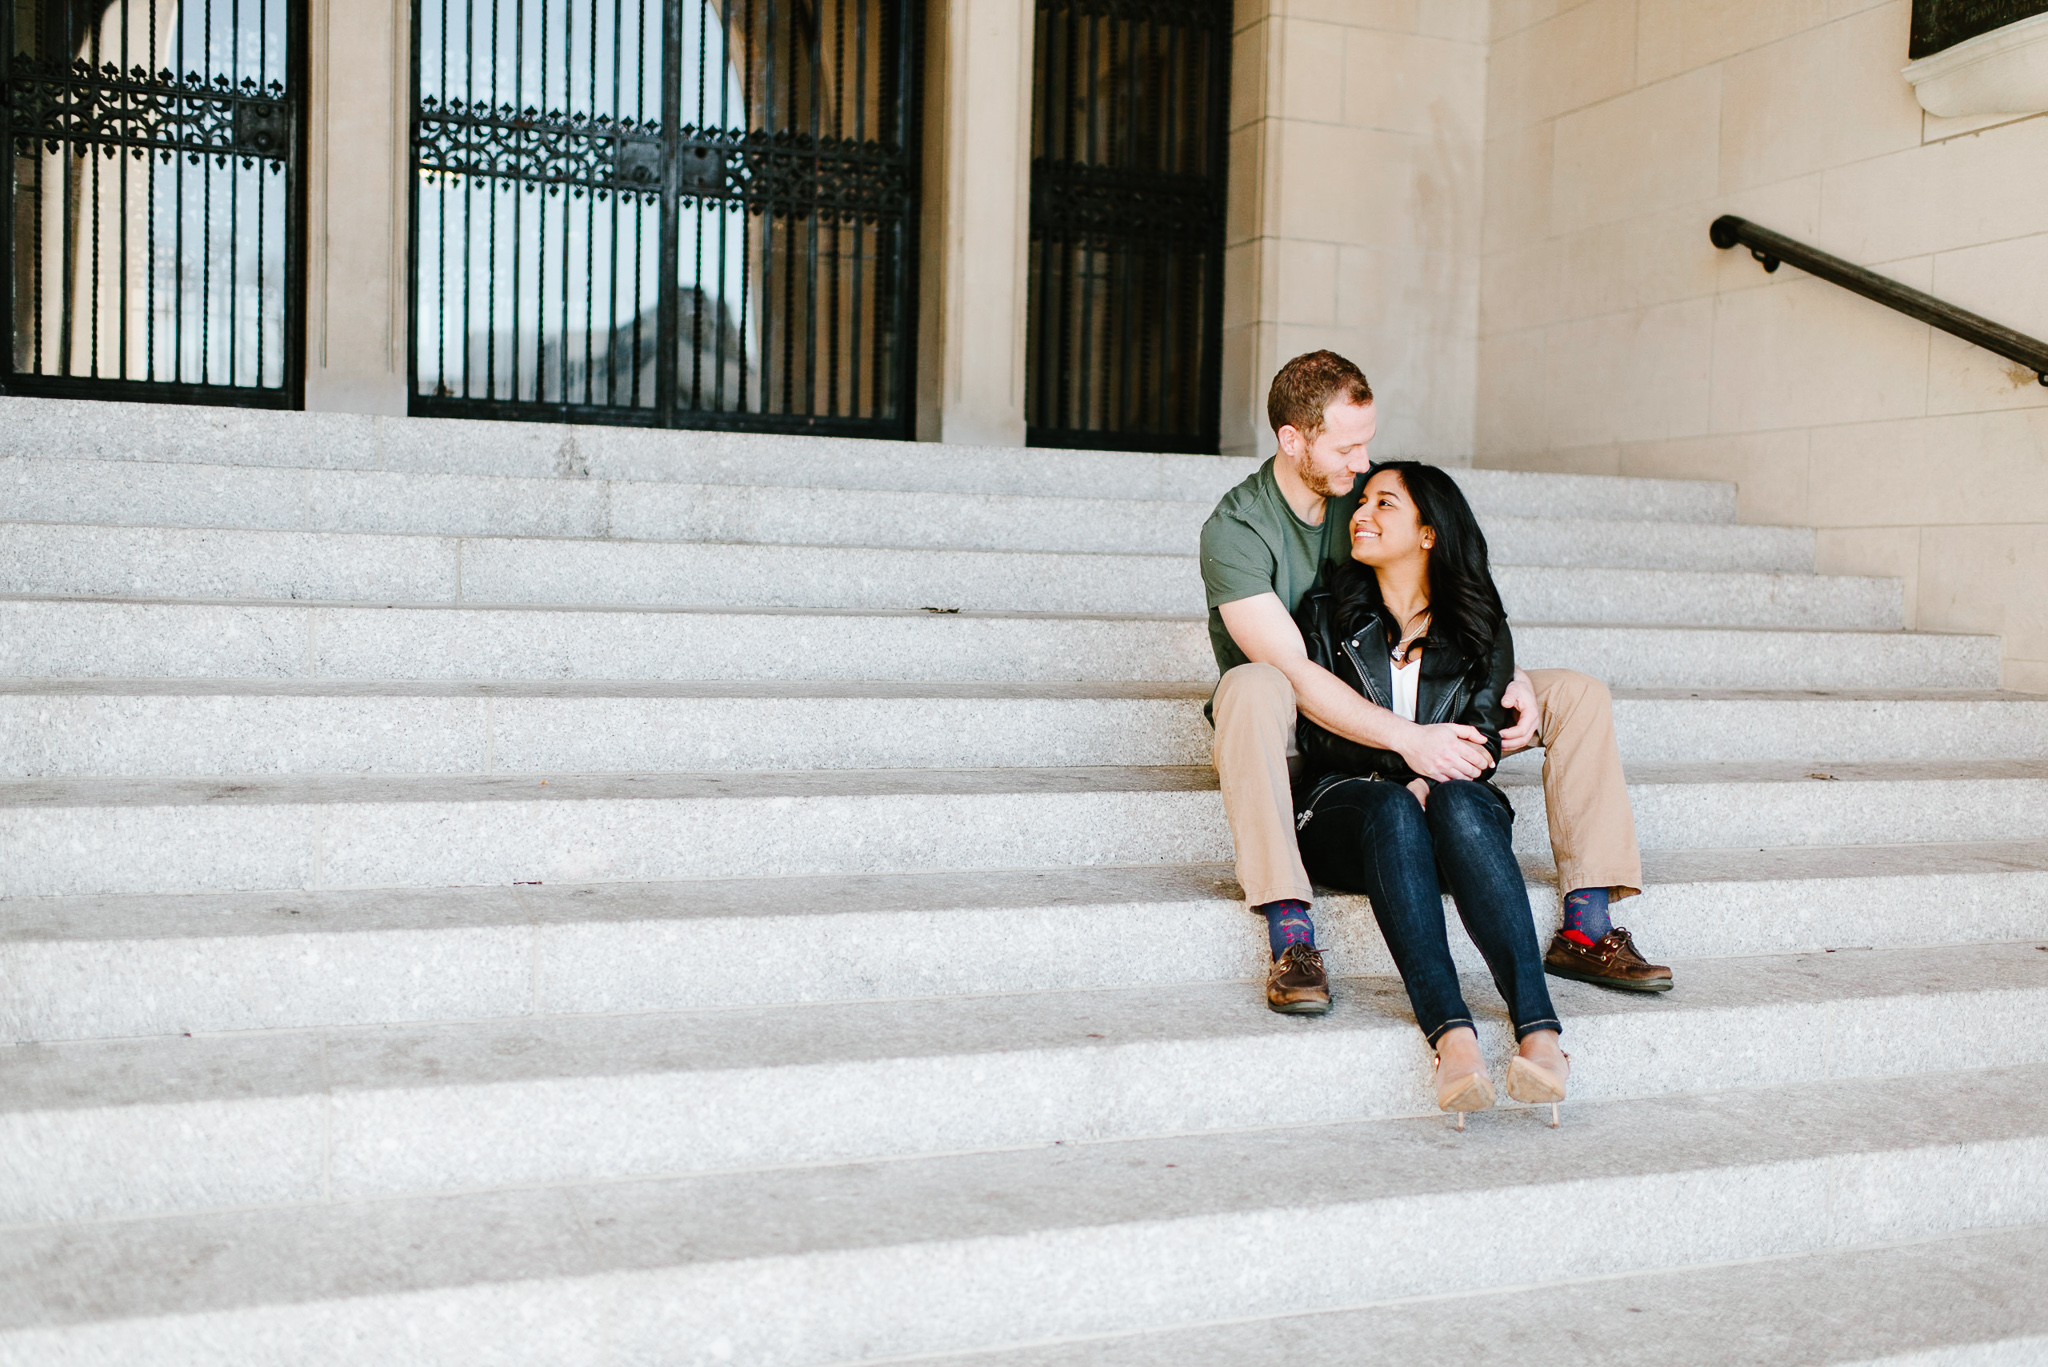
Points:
(1413, 621)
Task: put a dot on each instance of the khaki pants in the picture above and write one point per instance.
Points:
(1592, 831)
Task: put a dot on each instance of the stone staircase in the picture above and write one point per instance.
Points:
(521, 895)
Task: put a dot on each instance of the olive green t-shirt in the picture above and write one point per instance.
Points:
(1253, 543)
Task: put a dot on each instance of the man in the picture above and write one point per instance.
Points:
(1261, 550)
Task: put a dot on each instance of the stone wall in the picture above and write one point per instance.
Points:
(1615, 339)
(359, 127)
(1355, 199)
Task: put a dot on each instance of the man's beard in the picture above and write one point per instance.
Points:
(1322, 483)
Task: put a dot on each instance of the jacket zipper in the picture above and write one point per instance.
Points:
(1324, 789)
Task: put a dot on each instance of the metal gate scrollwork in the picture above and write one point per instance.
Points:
(153, 233)
(666, 212)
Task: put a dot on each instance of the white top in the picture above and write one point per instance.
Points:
(1406, 677)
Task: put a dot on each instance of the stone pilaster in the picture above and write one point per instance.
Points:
(358, 93)
(976, 224)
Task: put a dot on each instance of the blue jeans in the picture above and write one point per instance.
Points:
(1373, 837)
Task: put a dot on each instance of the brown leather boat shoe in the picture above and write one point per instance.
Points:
(1297, 984)
(1611, 961)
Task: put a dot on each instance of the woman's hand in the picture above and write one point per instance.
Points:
(1420, 787)
(1448, 750)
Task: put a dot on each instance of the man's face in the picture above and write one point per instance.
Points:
(1331, 463)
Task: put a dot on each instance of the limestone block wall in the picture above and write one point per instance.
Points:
(1613, 337)
(358, 299)
(1355, 199)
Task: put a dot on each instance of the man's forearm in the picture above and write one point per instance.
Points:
(1332, 704)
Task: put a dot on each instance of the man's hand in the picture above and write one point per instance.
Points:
(1519, 698)
(1265, 633)
(1420, 787)
(1447, 750)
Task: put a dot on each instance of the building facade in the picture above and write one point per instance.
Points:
(1082, 223)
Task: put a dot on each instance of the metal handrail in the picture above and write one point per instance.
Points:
(1771, 248)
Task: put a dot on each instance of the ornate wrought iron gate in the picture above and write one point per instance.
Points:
(1128, 132)
(695, 213)
(153, 227)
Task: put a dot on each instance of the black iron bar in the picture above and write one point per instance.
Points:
(617, 203)
(1093, 253)
(234, 203)
(838, 93)
(178, 281)
(123, 163)
(1772, 248)
(540, 233)
(1061, 248)
(206, 169)
(518, 193)
(261, 317)
(590, 227)
(466, 191)
(568, 196)
(490, 189)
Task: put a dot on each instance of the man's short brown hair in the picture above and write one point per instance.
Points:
(1310, 383)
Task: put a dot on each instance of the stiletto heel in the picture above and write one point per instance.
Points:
(1464, 1093)
(1533, 1083)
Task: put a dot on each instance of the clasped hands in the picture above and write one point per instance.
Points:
(1452, 750)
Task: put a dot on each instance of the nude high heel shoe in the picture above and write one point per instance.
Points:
(1533, 1083)
(1463, 1092)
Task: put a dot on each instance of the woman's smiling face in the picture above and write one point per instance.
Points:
(1387, 529)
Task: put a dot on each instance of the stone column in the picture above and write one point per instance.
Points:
(975, 226)
(358, 289)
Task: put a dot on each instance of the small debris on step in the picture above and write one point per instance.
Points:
(939, 610)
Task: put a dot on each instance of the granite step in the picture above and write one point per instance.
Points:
(970, 1251)
(152, 964)
(80, 728)
(133, 493)
(86, 560)
(109, 1129)
(76, 638)
(194, 435)
(117, 835)
(1960, 1300)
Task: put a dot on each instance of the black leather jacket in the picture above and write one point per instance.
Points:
(1358, 653)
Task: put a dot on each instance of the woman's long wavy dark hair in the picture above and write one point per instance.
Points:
(1464, 605)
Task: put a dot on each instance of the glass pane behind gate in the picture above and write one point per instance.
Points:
(537, 280)
(740, 263)
(151, 209)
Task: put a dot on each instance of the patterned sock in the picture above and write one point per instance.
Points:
(1287, 924)
(1585, 916)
